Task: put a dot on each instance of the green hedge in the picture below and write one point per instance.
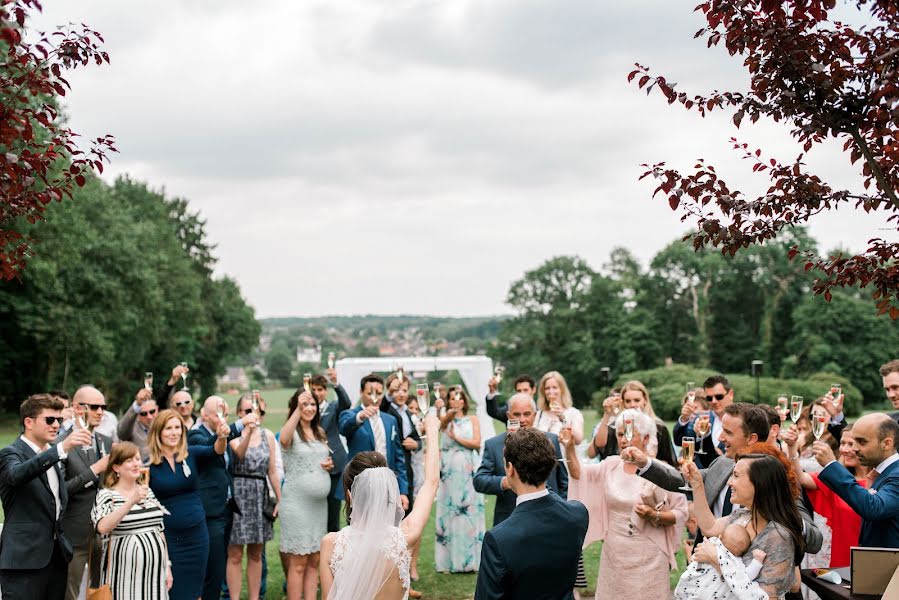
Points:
(667, 386)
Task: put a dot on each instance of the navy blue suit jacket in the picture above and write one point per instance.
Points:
(215, 474)
(29, 508)
(361, 438)
(534, 553)
(878, 507)
(329, 422)
(489, 476)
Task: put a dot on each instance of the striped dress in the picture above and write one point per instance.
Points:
(135, 549)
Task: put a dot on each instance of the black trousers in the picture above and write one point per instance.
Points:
(48, 583)
(219, 533)
(334, 504)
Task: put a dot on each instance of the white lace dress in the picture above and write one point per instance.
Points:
(395, 548)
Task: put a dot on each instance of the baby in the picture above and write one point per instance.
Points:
(734, 582)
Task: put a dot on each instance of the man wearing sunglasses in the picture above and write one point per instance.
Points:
(183, 404)
(34, 550)
(135, 423)
(719, 394)
(85, 466)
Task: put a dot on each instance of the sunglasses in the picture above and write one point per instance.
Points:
(144, 413)
(94, 407)
(247, 411)
(718, 397)
(51, 420)
(183, 402)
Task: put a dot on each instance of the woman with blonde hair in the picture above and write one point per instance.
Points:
(174, 479)
(633, 395)
(555, 407)
(129, 518)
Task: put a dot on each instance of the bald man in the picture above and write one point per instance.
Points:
(84, 467)
(874, 442)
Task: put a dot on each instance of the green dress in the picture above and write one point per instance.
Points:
(460, 510)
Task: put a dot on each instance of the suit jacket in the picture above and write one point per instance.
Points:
(329, 422)
(215, 479)
(878, 507)
(489, 477)
(495, 409)
(27, 540)
(82, 486)
(714, 479)
(836, 429)
(360, 438)
(407, 454)
(534, 553)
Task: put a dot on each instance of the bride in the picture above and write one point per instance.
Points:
(369, 559)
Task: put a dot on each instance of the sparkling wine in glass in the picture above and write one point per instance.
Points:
(688, 446)
(819, 426)
(628, 430)
(184, 377)
(616, 408)
(836, 390)
(257, 395)
(82, 423)
(423, 396)
(307, 377)
(795, 408)
(400, 373)
(498, 373)
(144, 477)
(701, 426)
(332, 360)
(220, 412)
(148, 381)
(691, 392)
(513, 425)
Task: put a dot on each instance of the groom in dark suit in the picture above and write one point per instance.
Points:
(533, 553)
(34, 550)
(491, 476)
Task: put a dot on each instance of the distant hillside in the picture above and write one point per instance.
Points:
(364, 326)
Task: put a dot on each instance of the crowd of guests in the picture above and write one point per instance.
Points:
(167, 501)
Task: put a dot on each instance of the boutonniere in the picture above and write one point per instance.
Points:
(393, 434)
(872, 491)
(185, 469)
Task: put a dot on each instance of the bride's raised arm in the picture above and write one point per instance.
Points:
(414, 524)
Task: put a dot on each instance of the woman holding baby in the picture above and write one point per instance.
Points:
(723, 564)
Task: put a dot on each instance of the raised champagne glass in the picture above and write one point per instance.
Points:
(423, 396)
(628, 430)
(144, 477)
(257, 395)
(400, 373)
(819, 426)
(184, 377)
(691, 392)
(220, 411)
(616, 408)
(332, 360)
(148, 381)
(82, 423)
(783, 405)
(701, 426)
(307, 377)
(498, 373)
(688, 447)
(795, 408)
(836, 390)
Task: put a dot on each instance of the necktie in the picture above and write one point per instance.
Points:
(377, 427)
(728, 507)
(872, 477)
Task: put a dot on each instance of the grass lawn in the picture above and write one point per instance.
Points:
(434, 585)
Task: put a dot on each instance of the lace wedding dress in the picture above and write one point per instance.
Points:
(396, 552)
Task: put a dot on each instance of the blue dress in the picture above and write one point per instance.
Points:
(185, 528)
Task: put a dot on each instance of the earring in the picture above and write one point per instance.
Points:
(116, 475)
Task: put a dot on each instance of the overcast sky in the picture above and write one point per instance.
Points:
(413, 156)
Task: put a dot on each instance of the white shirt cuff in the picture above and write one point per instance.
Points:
(641, 470)
(61, 452)
(837, 418)
(135, 406)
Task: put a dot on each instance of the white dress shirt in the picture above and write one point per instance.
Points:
(52, 477)
(532, 496)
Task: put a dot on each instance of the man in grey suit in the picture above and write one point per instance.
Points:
(134, 426)
(743, 424)
(84, 467)
(491, 475)
(330, 412)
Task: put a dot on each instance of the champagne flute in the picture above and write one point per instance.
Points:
(701, 426)
(795, 408)
(256, 396)
(688, 446)
(307, 377)
(691, 392)
(836, 390)
(513, 425)
(819, 426)
(220, 412)
(144, 477)
(616, 408)
(783, 405)
(628, 430)
(423, 395)
(400, 373)
(148, 381)
(332, 360)
(184, 377)
(498, 373)
(82, 423)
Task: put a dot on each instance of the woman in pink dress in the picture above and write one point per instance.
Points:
(639, 522)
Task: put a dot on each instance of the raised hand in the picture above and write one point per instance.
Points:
(686, 411)
(492, 385)
(692, 475)
(609, 405)
(823, 453)
(633, 455)
(78, 437)
(565, 436)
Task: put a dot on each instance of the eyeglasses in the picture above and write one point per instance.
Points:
(247, 411)
(183, 402)
(94, 407)
(144, 413)
(51, 420)
(718, 397)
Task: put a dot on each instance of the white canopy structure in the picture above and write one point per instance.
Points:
(475, 371)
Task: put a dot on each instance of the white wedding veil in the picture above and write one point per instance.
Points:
(376, 508)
